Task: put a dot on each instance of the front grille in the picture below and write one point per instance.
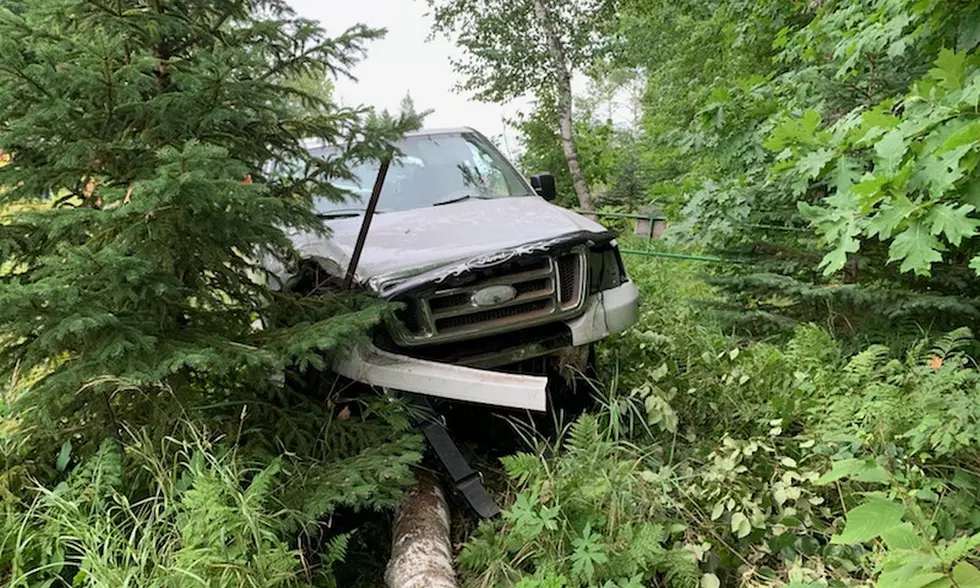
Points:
(570, 269)
(410, 318)
(437, 304)
(532, 291)
(491, 350)
(486, 316)
(525, 287)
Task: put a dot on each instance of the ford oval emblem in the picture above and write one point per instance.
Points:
(494, 295)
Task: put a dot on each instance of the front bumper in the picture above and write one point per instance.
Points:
(384, 369)
(606, 313)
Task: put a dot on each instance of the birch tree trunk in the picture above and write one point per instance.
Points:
(421, 553)
(564, 96)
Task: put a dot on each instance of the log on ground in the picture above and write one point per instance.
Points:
(421, 552)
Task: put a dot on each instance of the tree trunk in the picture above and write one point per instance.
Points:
(421, 554)
(564, 95)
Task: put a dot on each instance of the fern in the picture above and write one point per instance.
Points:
(811, 348)
(335, 549)
(960, 548)
(584, 435)
(679, 569)
(585, 513)
(867, 364)
(521, 466)
(947, 344)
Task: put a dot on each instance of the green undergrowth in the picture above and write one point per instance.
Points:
(714, 459)
(248, 491)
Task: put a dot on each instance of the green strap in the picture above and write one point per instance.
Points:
(678, 256)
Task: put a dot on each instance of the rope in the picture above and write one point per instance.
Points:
(706, 258)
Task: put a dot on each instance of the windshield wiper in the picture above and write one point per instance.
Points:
(339, 213)
(460, 199)
(345, 212)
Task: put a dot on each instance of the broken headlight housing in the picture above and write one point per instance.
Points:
(606, 269)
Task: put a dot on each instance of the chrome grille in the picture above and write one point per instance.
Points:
(545, 288)
(463, 320)
(570, 271)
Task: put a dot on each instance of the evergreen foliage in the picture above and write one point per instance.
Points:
(143, 122)
(145, 439)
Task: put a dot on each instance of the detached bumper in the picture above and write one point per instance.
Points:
(606, 313)
(376, 367)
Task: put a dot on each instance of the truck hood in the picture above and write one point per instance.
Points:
(407, 243)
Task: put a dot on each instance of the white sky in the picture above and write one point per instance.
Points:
(404, 61)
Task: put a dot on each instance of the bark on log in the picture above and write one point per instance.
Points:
(421, 553)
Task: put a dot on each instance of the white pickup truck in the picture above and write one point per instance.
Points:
(489, 272)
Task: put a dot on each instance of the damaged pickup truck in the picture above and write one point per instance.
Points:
(489, 272)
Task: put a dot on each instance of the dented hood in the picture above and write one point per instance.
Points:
(407, 243)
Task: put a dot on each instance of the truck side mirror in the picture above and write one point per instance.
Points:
(544, 186)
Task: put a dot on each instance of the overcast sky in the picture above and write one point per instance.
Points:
(404, 61)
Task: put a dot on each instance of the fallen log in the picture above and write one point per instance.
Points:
(421, 552)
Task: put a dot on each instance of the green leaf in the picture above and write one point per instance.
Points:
(968, 35)
(794, 131)
(965, 574)
(950, 70)
(875, 123)
(890, 217)
(869, 521)
(63, 456)
(903, 536)
(718, 510)
(968, 135)
(953, 223)
(902, 569)
(812, 164)
(961, 547)
(927, 580)
(941, 173)
(889, 152)
(870, 187)
(809, 212)
(916, 248)
(710, 581)
(846, 173)
(588, 551)
(837, 257)
(741, 525)
(975, 264)
(859, 470)
(659, 373)
(970, 95)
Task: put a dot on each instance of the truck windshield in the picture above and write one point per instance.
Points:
(431, 170)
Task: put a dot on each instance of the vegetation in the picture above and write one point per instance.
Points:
(807, 416)
(721, 460)
(145, 441)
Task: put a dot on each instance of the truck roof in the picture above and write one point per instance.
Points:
(311, 143)
(442, 131)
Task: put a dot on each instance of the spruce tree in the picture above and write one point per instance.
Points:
(137, 200)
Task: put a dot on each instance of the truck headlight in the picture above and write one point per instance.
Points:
(606, 269)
